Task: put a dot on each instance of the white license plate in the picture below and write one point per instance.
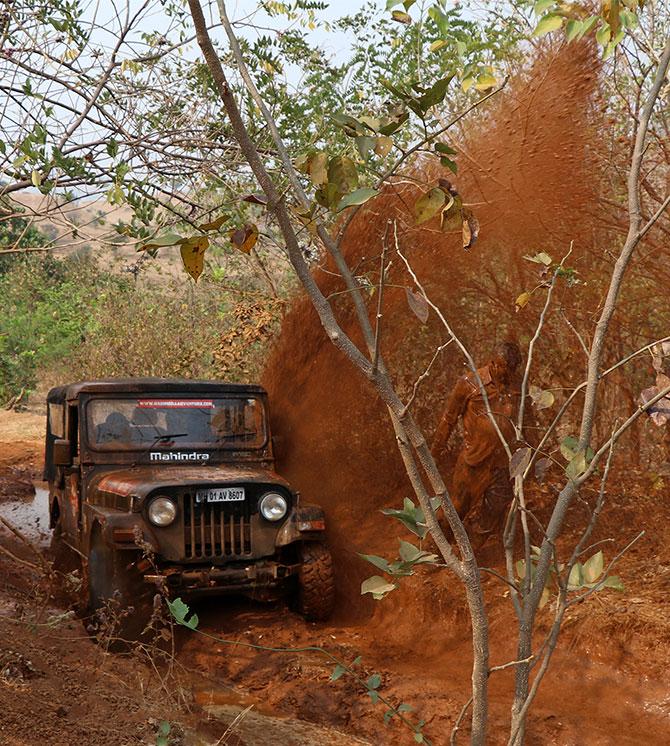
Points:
(220, 495)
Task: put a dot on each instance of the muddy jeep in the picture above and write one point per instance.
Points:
(156, 481)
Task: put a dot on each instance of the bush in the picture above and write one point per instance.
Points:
(67, 319)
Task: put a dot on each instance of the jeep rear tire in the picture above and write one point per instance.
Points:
(115, 584)
(316, 591)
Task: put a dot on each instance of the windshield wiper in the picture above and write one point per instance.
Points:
(159, 439)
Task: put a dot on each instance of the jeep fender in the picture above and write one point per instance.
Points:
(117, 528)
(305, 522)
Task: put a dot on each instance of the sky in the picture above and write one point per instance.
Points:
(333, 43)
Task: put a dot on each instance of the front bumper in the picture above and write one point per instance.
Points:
(226, 579)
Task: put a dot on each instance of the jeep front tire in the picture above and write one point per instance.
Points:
(115, 587)
(316, 591)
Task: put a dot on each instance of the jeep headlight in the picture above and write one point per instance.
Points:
(273, 506)
(162, 511)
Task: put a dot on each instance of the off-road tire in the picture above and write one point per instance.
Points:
(65, 560)
(113, 581)
(316, 584)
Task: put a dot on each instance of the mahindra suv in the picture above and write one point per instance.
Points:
(172, 482)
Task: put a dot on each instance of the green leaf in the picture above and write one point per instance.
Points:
(405, 707)
(359, 197)
(428, 205)
(576, 577)
(167, 239)
(374, 682)
(613, 581)
(440, 19)
(435, 93)
(437, 45)
(112, 148)
(365, 144)
(350, 125)
(448, 163)
(378, 562)
(162, 741)
(442, 147)
(485, 81)
(418, 737)
(394, 124)
(569, 447)
(603, 34)
(587, 25)
(541, 6)
(547, 24)
(36, 178)
(3, 148)
(164, 728)
(371, 123)
(328, 195)
(410, 516)
(408, 552)
(572, 29)
(180, 611)
(377, 586)
(467, 83)
(337, 672)
(576, 466)
(593, 567)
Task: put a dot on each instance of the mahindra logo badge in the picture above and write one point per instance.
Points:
(178, 456)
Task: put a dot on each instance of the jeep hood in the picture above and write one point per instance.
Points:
(141, 480)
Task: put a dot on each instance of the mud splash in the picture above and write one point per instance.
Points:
(336, 442)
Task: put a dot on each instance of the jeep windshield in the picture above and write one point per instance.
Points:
(164, 423)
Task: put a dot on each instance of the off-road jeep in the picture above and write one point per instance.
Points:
(171, 482)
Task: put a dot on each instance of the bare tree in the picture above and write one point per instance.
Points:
(527, 592)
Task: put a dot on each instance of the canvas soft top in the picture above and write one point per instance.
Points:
(71, 391)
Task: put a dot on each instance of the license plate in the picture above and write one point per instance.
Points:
(220, 495)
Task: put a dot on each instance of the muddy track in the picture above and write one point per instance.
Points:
(601, 690)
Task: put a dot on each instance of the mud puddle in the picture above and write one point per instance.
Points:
(30, 516)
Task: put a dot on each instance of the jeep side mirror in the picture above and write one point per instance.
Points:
(62, 452)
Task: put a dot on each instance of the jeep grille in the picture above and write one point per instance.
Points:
(209, 532)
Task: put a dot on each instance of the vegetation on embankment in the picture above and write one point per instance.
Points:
(70, 318)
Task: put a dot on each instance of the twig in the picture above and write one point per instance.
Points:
(459, 720)
(380, 299)
(425, 374)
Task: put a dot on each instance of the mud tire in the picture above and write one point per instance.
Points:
(316, 584)
(65, 560)
(113, 582)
